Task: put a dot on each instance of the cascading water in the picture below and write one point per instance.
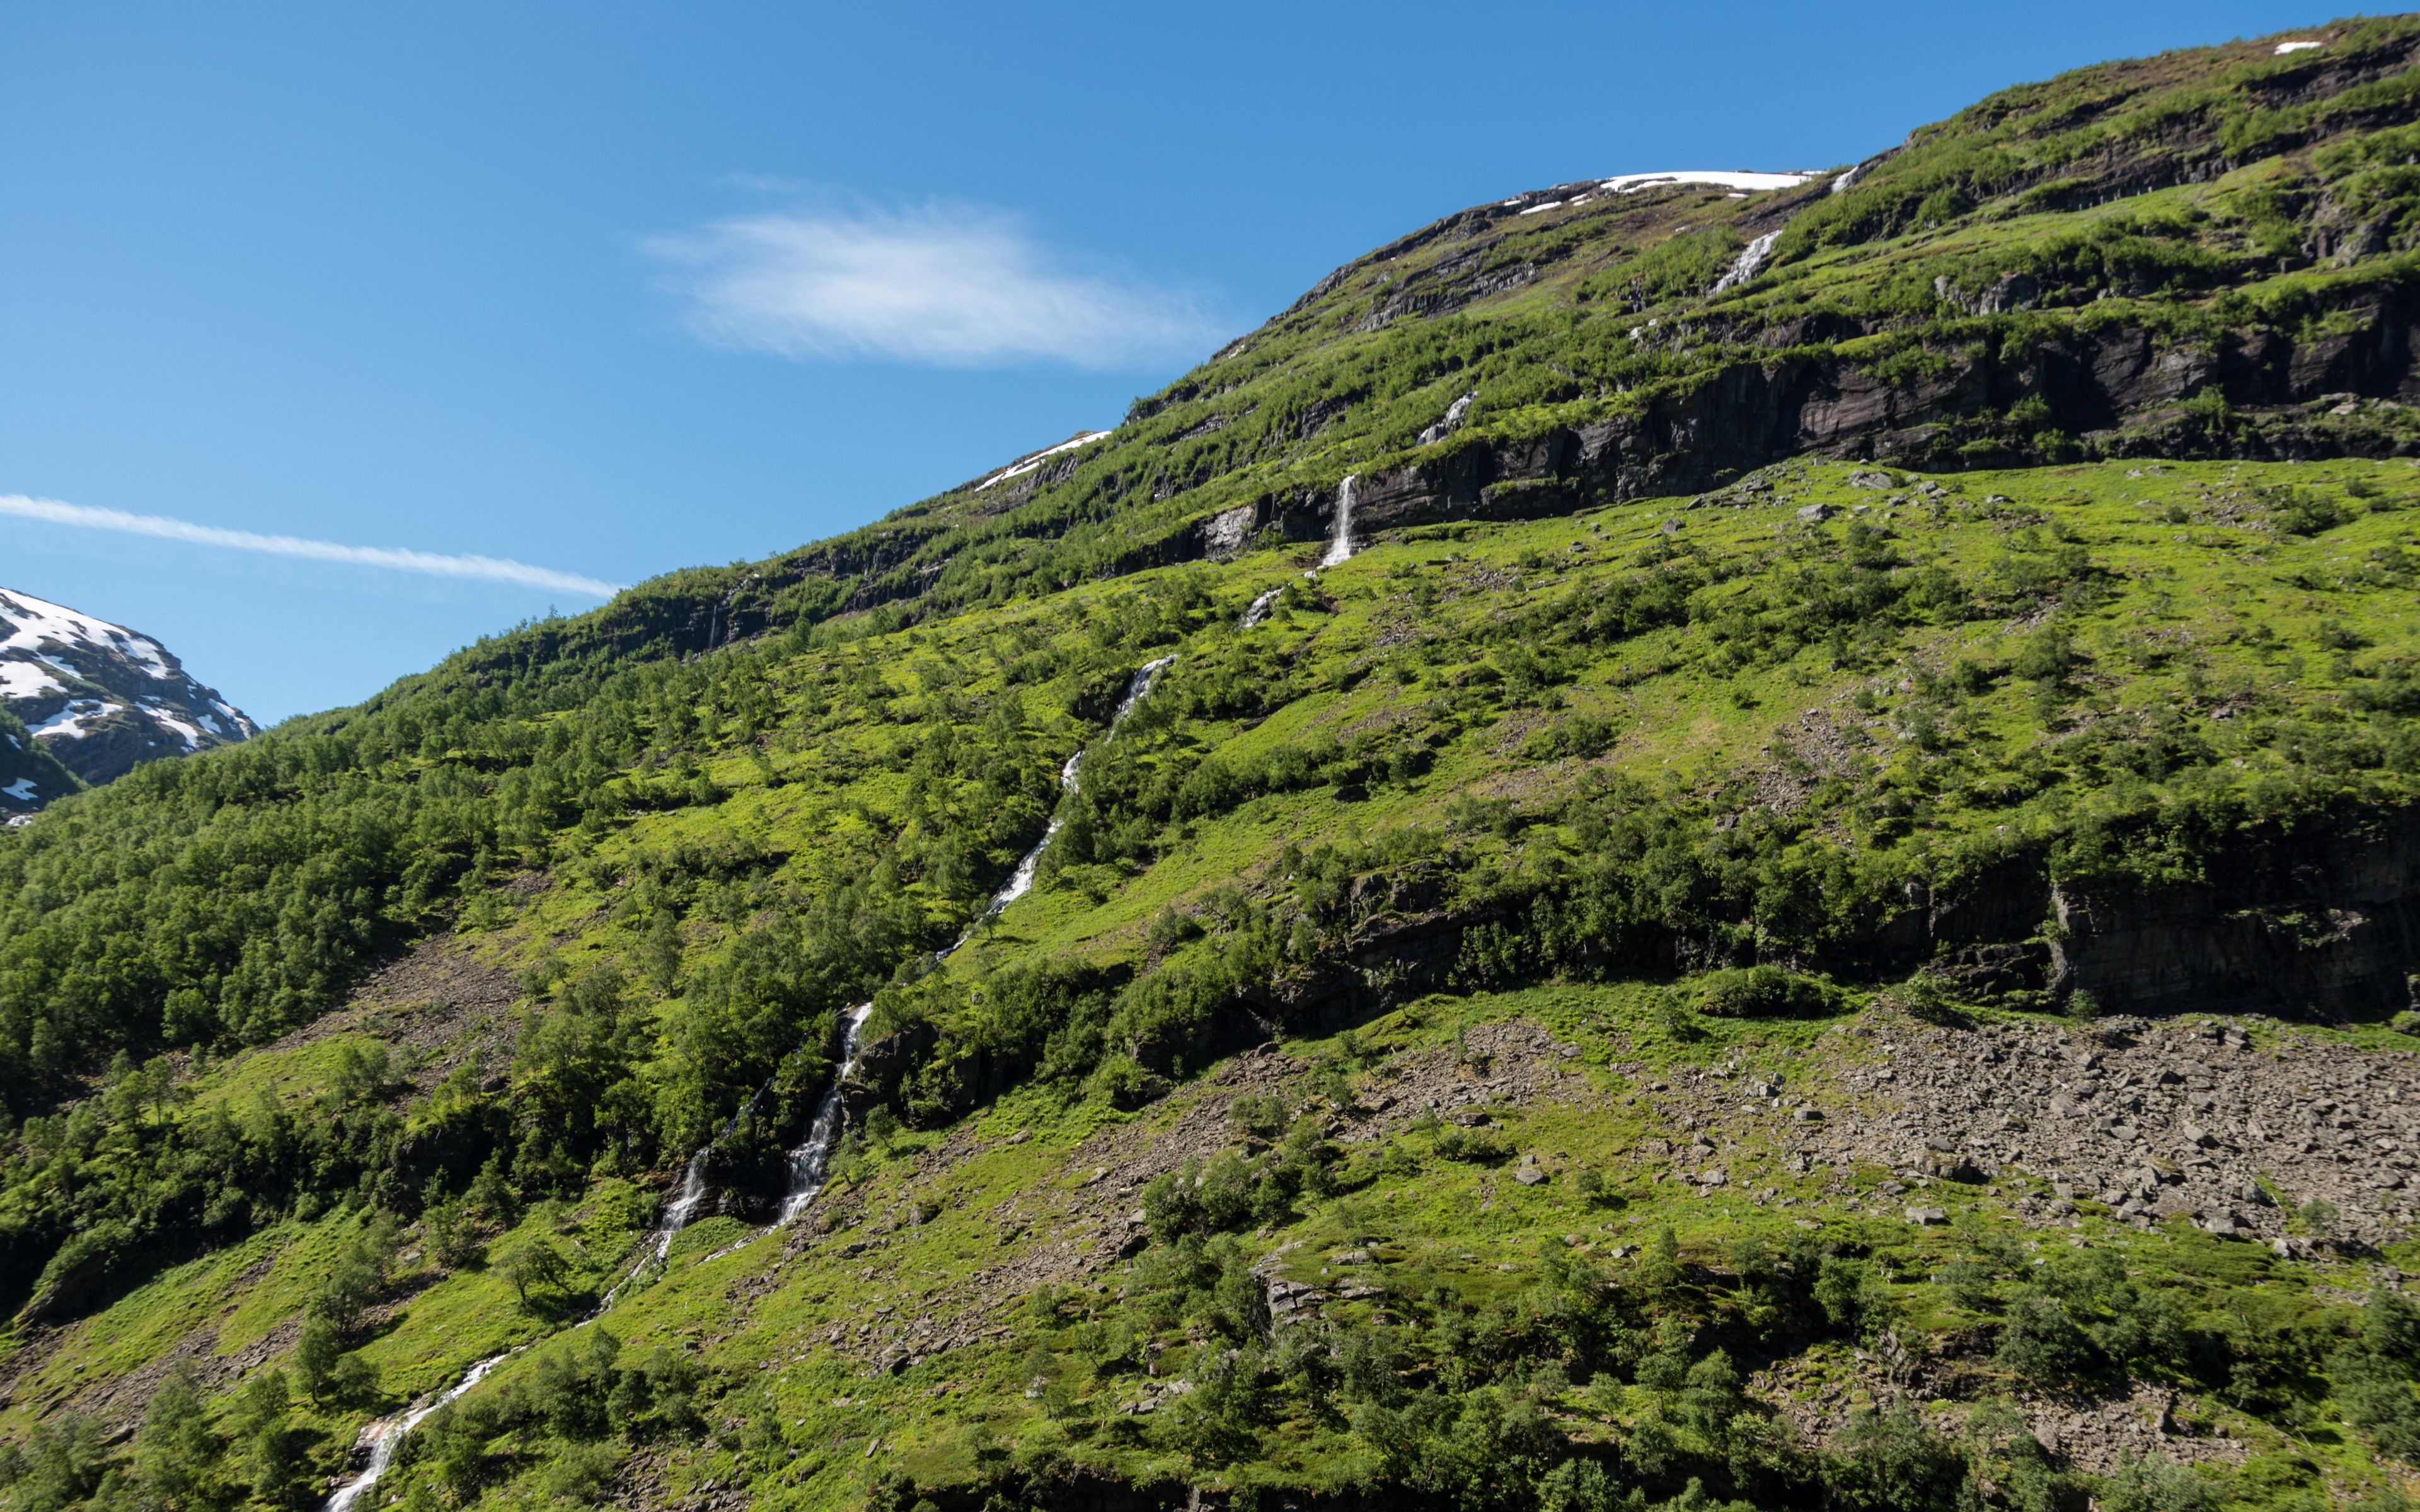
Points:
(390, 1438)
(1020, 880)
(809, 1162)
(1260, 609)
(684, 1204)
(1751, 258)
(1339, 548)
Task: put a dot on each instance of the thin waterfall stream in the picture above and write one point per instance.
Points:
(809, 1163)
(1340, 549)
(1339, 546)
(390, 1438)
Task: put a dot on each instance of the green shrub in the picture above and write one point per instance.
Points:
(2156, 1485)
(1764, 992)
(1475, 1147)
(1852, 1297)
(2042, 1345)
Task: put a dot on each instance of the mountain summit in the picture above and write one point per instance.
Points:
(99, 698)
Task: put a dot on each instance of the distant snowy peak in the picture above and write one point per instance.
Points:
(98, 697)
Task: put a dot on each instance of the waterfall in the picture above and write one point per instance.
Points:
(1020, 880)
(810, 1159)
(1260, 609)
(1341, 547)
(683, 1206)
(809, 1162)
(1751, 259)
(1138, 688)
(807, 1165)
(390, 1438)
(692, 1193)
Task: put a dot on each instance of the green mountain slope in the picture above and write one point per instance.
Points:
(2205, 254)
(1819, 912)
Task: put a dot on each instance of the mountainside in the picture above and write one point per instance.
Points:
(99, 699)
(2206, 253)
(1680, 844)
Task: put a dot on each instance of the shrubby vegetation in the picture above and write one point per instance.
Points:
(731, 932)
(1730, 756)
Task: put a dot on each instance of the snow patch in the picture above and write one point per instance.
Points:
(70, 723)
(1026, 464)
(25, 680)
(2298, 47)
(21, 790)
(32, 622)
(190, 733)
(48, 650)
(1630, 183)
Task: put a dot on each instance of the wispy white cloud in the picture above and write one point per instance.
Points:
(943, 285)
(437, 564)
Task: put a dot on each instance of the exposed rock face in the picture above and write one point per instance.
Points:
(2233, 1127)
(1225, 535)
(100, 698)
(2328, 919)
(2152, 1122)
(2118, 390)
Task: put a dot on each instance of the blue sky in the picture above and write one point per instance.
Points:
(608, 289)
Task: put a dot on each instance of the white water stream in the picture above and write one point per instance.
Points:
(1751, 258)
(390, 1438)
(1339, 547)
(809, 1162)
(1020, 880)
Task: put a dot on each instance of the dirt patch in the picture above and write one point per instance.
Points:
(437, 1003)
(2094, 1435)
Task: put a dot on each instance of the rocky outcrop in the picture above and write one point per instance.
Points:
(2319, 921)
(2325, 922)
(2114, 393)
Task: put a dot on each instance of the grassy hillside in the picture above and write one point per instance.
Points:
(1858, 962)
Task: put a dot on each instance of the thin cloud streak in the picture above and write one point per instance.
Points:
(435, 565)
(941, 286)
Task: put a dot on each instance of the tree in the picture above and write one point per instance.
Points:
(316, 1354)
(1897, 1464)
(2041, 1343)
(264, 1419)
(533, 1262)
(177, 1451)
